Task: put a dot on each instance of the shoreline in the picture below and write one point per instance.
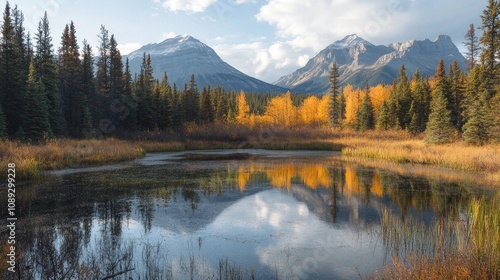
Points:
(33, 161)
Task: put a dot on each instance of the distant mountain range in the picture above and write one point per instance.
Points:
(184, 55)
(360, 61)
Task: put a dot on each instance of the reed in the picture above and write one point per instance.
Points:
(467, 248)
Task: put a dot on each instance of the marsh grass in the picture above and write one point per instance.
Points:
(464, 248)
(32, 159)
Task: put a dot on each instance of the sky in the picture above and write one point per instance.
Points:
(265, 39)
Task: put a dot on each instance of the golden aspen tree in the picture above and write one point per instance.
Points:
(243, 109)
(308, 111)
(281, 110)
(379, 94)
(324, 109)
(353, 101)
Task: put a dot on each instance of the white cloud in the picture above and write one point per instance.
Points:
(194, 6)
(128, 47)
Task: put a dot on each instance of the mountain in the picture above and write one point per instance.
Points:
(184, 55)
(359, 60)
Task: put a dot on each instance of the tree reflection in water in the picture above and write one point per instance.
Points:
(74, 228)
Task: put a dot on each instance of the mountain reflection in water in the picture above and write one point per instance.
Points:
(296, 217)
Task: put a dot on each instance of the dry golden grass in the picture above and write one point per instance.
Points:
(456, 155)
(30, 160)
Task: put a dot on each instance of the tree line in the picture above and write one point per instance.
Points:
(72, 92)
(445, 106)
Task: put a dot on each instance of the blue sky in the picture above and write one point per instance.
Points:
(262, 38)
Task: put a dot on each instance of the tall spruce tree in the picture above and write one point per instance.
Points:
(206, 110)
(130, 119)
(2, 122)
(457, 92)
(90, 102)
(144, 94)
(477, 128)
(366, 120)
(472, 45)
(439, 128)
(12, 80)
(334, 108)
(70, 81)
(495, 118)
(46, 65)
(36, 118)
(491, 45)
(401, 99)
(383, 121)
(420, 106)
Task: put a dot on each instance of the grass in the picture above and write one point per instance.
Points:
(460, 249)
(31, 160)
(387, 146)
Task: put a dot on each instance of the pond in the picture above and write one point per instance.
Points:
(220, 215)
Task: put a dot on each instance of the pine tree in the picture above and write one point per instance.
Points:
(420, 106)
(144, 94)
(334, 108)
(12, 80)
(472, 45)
(477, 128)
(457, 92)
(491, 45)
(342, 106)
(130, 117)
(439, 128)
(36, 119)
(70, 81)
(383, 121)
(495, 118)
(176, 111)
(90, 101)
(45, 64)
(103, 63)
(366, 120)
(115, 68)
(473, 88)
(164, 104)
(206, 110)
(401, 99)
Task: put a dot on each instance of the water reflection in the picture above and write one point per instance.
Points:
(284, 218)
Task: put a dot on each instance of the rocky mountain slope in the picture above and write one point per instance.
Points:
(184, 55)
(359, 60)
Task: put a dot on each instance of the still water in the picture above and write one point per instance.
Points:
(213, 215)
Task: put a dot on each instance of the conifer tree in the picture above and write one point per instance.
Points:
(491, 45)
(439, 128)
(144, 94)
(383, 121)
(90, 101)
(477, 128)
(12, 80)
(115, 69)
(420, 106)
(401, 99)
(45, 64)
(365, 113)
(70, 81)
(164, 104)
(2, 123)
(36, 119)
(495, 118)
(130, 118)
(342, 106)
(176, 111)
(334, 110)
(103, 63)
(206, 110)
(472, 45)
(457, 89)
